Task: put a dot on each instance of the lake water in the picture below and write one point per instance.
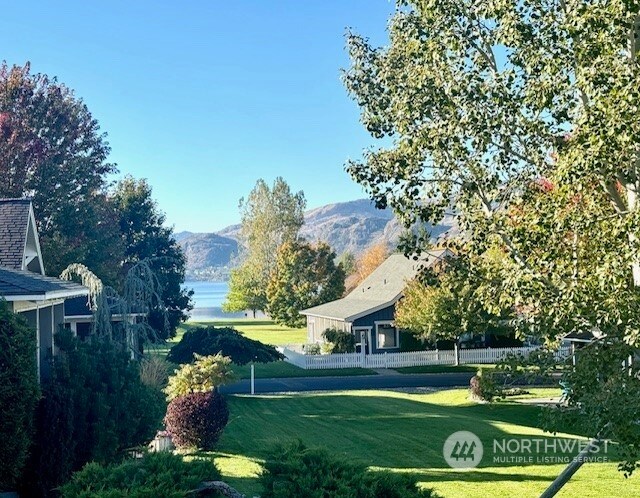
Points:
(208, 294)
(207, 299)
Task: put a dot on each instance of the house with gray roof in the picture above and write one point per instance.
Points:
(23, 283)
(19, 244)
(368, 311)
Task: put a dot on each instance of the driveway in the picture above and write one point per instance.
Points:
(457, 379)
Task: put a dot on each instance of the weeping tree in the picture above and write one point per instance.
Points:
(522, 117)
(141, 293)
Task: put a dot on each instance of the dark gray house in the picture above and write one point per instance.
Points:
(369, 310)
(23, 284)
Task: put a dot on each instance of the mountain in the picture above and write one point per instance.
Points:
(346, 226)
(209, 255)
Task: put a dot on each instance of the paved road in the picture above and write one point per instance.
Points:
(458, 379)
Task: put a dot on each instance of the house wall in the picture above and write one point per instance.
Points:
(45, 321)
(383, 315)
(316, 325)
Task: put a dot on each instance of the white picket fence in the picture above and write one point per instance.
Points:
(408, 359)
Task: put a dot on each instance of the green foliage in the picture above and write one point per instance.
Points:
(456, 298)
(245, 291)
(348, 262)
(225, 340)
(304, 276)
(93, 408)
(296, 470)
(271, 216)
(52, 150)
(604, 385)
(482, 387)
(156, 474)
(205, 374)
(515, 369)
(197, 420)
(146, 238)
(537, 151)
(19, 393)
(340, 341)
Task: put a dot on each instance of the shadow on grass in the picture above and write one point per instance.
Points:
(478, 476)
(394, 432)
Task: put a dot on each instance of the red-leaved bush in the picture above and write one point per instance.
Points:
(196, 420)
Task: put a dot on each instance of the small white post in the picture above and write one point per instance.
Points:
(253, 379)
(456, 354)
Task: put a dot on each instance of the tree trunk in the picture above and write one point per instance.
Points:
(571, 469)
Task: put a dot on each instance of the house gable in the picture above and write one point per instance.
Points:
(19, 242)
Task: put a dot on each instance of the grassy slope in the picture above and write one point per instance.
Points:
(402, 432)
(266, 332)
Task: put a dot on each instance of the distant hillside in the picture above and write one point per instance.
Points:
(346, 226)
(208, 255)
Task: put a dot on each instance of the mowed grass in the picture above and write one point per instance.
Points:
(403, 433)
(267, 332)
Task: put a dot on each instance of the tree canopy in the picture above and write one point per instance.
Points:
(146, 238)
(447, 302)
(304, 276)
(522, 118)
(271, 216)
(52, 150)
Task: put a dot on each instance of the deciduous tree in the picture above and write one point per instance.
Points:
(451, 301)
(271, 216)
(304, 276)
(368, 261)
(523, 117)
(51, 149)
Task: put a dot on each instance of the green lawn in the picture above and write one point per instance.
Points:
(403, 433)
(265, 331)
(280, 369)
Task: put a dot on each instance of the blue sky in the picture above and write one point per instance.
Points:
(203, 97)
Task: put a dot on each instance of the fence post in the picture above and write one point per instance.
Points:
(385, 359)
(456, 355)
(363, 347)
(437, 355)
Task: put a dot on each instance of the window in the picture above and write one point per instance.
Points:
(387, 335)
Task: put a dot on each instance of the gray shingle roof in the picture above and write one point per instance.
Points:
(14, 220)
(380, 289)
(31, 286)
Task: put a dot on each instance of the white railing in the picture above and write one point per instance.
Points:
(408, 359)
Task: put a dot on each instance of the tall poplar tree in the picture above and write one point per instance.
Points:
(271, 216)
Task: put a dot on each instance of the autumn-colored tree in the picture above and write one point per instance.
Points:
(52, 150)
(368, 261)
(452, 299)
